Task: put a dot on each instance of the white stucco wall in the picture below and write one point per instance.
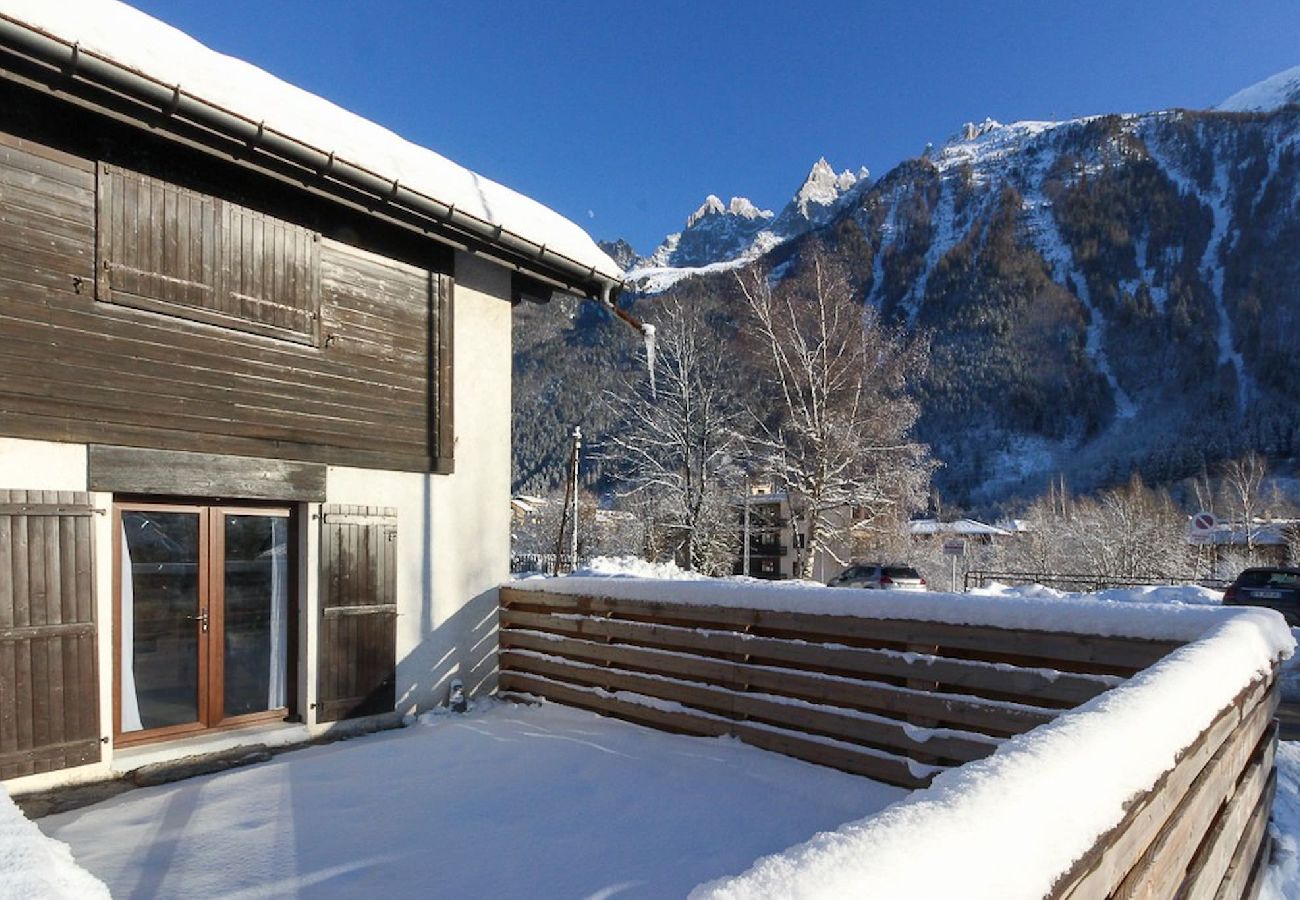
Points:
(42, 465)
(453, 532)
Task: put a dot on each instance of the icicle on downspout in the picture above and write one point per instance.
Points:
(648, 333)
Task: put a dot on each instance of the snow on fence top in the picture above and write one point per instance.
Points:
(1071, 615)
(1010, 825)
(37, 867)
(151, 48)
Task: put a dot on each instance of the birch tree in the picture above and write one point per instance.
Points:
(837, 426)
(1242, 487)
(677, 443)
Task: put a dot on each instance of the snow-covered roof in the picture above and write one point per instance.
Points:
(958, 526)
(138, 42)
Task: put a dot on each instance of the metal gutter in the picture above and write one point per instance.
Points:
(174, 101)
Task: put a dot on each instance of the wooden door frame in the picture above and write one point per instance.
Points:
(211, 596)
(217, 613)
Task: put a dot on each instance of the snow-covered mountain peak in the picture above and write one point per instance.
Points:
(740, 207)
(823, 187)
(1274, 92)
(712, 206)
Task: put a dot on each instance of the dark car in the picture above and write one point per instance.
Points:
(1277, 589)
(881, 577)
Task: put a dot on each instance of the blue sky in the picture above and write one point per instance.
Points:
(624, 116)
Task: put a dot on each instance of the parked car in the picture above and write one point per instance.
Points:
(1277, 589)
(879, 577)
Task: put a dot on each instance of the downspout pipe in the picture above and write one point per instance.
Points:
(173, 100)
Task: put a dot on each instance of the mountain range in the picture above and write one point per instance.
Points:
(1102, 295)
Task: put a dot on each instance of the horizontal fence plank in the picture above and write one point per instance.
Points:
(1207, 871)
(1037, 686)
(990, 717)
(1163, 866)
(1246, 874)
(892, 770)
(880, 732)
(1099, 873)
(1061, 649)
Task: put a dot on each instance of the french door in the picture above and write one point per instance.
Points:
(202, 635)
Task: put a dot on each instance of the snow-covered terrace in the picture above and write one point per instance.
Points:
(550, 801)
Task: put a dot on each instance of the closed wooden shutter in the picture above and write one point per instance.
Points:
(170, 250)
(49, 676)
(356, 671)
(158, 243)
(271, 272)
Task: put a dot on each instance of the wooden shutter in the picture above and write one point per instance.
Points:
(170, 250)
(356, 669)
(157, 243)
(49, 676)
(271, 272)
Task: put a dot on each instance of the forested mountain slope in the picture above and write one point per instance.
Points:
(1102, 294)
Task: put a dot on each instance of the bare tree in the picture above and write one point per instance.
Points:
(1129, 531)
(1242, 487)
(837, 430)
(677, 444)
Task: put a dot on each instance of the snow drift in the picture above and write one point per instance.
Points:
(37, 867)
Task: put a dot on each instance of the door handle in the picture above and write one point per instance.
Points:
(201, 618)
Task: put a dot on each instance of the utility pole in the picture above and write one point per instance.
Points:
(573, 492)
(569, 514)
(745, 549)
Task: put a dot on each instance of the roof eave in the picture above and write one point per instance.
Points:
(67, 70)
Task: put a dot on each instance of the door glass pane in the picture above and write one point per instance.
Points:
(256, 613)
(160, 625)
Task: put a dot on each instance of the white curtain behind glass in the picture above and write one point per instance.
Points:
(275, 695)
(129, 703)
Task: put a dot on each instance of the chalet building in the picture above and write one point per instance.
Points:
(254, 401)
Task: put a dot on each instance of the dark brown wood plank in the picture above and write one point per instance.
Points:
(133, 470)
(831, 722)
(957, 711)
(890, 770)
(1102, 653)
(974, 676)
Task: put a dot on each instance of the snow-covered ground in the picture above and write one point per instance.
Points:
(506, 801)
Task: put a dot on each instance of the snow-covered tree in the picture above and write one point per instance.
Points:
(1241, 489)
(677, 443)
(837, 419)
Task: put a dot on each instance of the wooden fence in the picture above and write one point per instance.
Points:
(900, 701)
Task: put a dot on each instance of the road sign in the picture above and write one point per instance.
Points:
(1201, 528)
(954, 548)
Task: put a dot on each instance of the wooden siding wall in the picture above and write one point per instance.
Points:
(900, 701)
(49, 682)
(76, 369)
(357, 669)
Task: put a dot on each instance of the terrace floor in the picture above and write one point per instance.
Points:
(505, 801)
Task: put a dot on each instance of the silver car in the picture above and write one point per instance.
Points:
(879, 577)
